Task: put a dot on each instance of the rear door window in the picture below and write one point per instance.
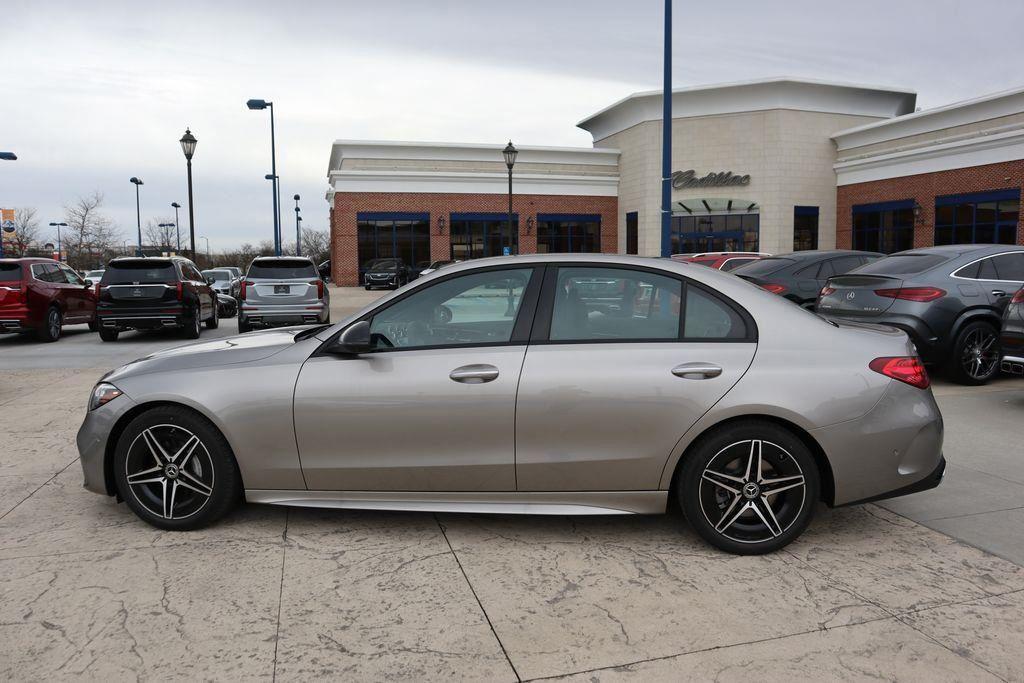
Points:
(1009, 266)
(10, 272)
(281, 269)
(141, 271)
(707, 317)
(987, 270)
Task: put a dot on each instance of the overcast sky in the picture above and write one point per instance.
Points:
(92, 93)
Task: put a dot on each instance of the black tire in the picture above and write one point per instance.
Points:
(709, 502)
(974, 359)
(243, 325)
(108, 335)
(94, 326)
(193, 326)
(52, 325)
(209, 467)
(368, 288)
(213, 322)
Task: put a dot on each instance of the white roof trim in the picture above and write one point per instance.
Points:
(473, 183)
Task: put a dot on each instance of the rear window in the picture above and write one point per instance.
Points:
(765, 266)
(142, 271)
(281, 269)
(383, 264)
(217, 275)
(903, 264)
(10, 272)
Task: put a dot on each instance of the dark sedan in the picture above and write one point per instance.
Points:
(949, 299)
(799, 276)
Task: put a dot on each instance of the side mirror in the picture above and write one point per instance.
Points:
(354, 340)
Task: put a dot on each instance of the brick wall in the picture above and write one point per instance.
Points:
(344, 235)
(924, 188)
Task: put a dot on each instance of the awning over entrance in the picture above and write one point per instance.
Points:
(711, 205)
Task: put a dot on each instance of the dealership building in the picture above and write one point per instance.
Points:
(776, 165)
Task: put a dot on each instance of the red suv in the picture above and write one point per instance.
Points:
(41, 295)
(721, 260)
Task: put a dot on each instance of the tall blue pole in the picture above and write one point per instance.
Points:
(666, 140)
(273, 185)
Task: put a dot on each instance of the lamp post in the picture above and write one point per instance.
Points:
(188, 146)
(138, 211)
(207, 249)
(58, 226)
(298, 231)
(177, 230)
(666, 138)
(8, 156)
(258, 105)
(510, 153)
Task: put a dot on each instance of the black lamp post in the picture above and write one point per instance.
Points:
(58, 226)
(298, 231)
(8, 156)
(257, 105)
(188, 146)
(138, 211)
(177, 230)
(510, 153)
(207, 249)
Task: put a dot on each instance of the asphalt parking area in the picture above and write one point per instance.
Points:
(87, 590)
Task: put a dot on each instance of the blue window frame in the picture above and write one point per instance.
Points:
(401, 235)
(568, 233)
(978, 218)
(805, 228)
(885, 227)
(477, 235)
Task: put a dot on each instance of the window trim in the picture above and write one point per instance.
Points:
(546, 306)
(979, 260)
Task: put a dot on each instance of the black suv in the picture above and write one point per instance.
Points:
(386, 272)
(799, 276)
(948, 299)
(154, 293)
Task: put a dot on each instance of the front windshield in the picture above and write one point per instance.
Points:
(383, 264)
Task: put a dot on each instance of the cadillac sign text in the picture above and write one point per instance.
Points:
(685, 179)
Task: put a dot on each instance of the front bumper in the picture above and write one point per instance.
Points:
(887, 451)
(93, 437)
(388, 281)
(277, 315)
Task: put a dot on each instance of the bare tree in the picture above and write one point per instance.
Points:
(91, 237)
(26, 230)
(316, 244)
(161, 238)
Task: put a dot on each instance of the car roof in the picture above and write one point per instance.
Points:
(954, 250)
(297, 259)
(27, 259)
(809, 254)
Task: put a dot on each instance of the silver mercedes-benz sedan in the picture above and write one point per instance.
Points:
(551, 384)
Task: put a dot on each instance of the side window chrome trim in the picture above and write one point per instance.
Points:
(979, 260)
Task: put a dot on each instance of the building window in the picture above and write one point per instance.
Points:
(477, 235)
(632, 233)
(715, 232)
(404, 236)
(805, 228)
(980, 218)
(563, 233)
(886, 227)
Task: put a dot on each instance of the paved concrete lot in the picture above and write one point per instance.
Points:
(87, 590)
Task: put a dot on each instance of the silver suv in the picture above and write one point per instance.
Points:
(282, 290)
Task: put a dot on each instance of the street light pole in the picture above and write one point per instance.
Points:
(256, 105)
(298, 231)
(177, 230)
(138, 211)
(207, 249)
(59, 226)
(188, 146)
(5, 156)
(510, 152)
(666, 139)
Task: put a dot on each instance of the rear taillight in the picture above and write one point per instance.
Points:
(826, 290)
(180, 291)
(774, 288)
(1018, 298)
(913, 293)
(16, 296)
(97, 290)
(245, 285)
(319, 288)
(908, 369)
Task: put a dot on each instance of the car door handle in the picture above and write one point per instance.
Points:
(697, 370)
(474, 374)
(998, 292)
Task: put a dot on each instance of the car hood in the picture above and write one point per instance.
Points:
(242, 348)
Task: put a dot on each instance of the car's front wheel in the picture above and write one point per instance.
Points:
(175, 469)
(749, 488)
(975, 358)
(50, 331)
(213, 322)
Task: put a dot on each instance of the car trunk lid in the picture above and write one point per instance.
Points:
(856, 295)
(284, 291)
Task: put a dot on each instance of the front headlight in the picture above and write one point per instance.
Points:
(102, 394)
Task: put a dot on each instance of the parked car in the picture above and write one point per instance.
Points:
(40, 296)
(722, 260)
(949, 299)
(282, 290)
(386, 272)
(437, 265)
(800, 275)
(574, 409)
(324, 269)
(235, 271)
(1011, 338)
(223, 281)
(138, 293)
(227, 306)
(93, 276)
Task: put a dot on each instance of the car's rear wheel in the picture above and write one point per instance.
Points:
(175, 469)
(243, 325)
(94, 326)
(213, 322)
(193, 324)
(50, 331)
(975, 358)
(749, 488)
(108, 335)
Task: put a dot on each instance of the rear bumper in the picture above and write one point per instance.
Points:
(15, 318)
(13, 325)
(274, 315)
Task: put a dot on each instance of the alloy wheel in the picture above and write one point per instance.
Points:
(752, 491)
(980, 354)
(169, 471)
(53, 323)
